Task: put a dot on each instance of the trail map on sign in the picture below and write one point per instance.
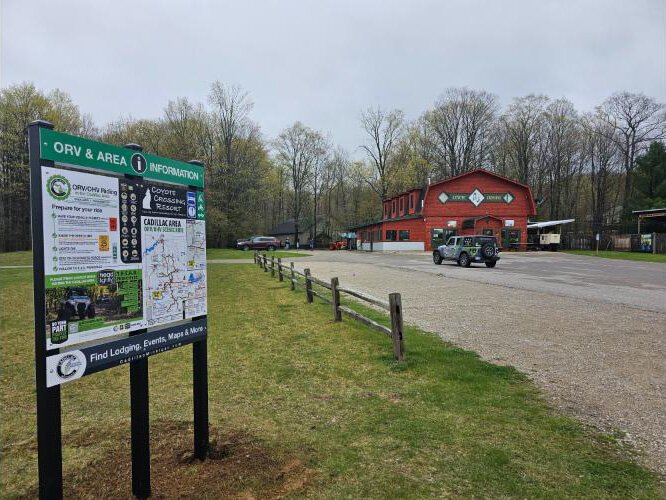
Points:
(174, 264)
(196, 264)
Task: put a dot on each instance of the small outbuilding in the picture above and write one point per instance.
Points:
(476, 202)
(650, 215)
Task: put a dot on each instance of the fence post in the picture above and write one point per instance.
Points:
(308, 286)
(292, 277)
(337, 313)
(280, 275)
(395, 304)
(654, 243)
(272, 266)
(265, 264)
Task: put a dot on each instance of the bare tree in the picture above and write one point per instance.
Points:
(240, 168)
(562, 158)
(602, 158)
(460, 130)
(320, 175)
(384, 129)
(297, 152)
(635, 121)
(231, 108)
(182, 120)
(336, 194)
(521, 127)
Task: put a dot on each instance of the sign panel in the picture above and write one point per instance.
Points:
(72, 150)
(476, 197)
(119, 257)
(646, 242)
(121, 253)
(74, 364)
(90, 293)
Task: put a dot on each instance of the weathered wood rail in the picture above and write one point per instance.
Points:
(304, 280)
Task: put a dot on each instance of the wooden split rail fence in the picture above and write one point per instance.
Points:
(393, 306)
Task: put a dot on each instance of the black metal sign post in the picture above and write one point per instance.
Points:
(49, 440)
(140, 416)
(134, 348)
(200, 390)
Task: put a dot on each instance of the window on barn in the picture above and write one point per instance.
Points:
(411, 201)
(385, 210)
(404, 235)
(393, 207)
(401, 206)
(391, 235)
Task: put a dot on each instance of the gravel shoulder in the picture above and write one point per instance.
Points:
(598, 359)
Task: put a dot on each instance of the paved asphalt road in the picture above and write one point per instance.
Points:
(590, 332)
(636, 284)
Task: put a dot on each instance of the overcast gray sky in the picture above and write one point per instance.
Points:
(322, 62)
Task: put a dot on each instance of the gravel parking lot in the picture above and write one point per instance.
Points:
(590, 332)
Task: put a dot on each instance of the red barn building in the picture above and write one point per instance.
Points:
(476, 202)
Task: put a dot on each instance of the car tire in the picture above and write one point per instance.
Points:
(91, 312)
(464, 260)
(245, 248)
(490, 264)
(487, 250)
(271, 248)
(437, 258)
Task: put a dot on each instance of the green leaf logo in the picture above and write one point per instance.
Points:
(58, 187)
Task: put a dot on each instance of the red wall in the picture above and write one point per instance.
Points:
(438, 214)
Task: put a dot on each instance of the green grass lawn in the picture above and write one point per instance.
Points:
(232, 253)
(609, 254)
(328, 395)
(16, 258)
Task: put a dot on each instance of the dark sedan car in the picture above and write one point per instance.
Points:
(259, 243)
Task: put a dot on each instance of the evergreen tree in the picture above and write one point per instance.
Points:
(650, 179)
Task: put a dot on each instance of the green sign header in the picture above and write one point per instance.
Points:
(77, 151)
(476, 197)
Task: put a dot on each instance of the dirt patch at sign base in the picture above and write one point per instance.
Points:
(239, 466)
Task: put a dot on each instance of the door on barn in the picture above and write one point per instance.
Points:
(510, 236)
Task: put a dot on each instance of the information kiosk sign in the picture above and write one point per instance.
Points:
(119, 245)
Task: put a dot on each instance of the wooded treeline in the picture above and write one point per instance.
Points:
(592, 166)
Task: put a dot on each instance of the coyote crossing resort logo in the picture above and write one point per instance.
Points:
(65, 367)
(58, 187)
(139, 163)
(69, 365)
